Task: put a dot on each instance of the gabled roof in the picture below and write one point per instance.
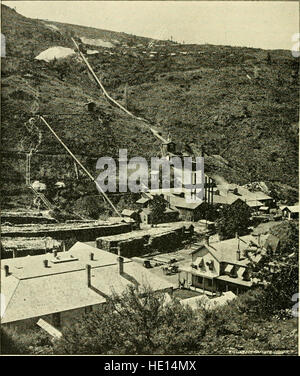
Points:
(128, 212)
(292, 209)
(32, 290)
(226, 250)
(229, 199)
(180, 202)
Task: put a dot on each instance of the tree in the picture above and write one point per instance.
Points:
(136, 322)
(233, 219)
(158, 207)
(279, 272)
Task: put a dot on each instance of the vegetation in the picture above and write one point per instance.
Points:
(252, 123)
(157, 207)
(233, 219)
(148, 324)
(278, 271)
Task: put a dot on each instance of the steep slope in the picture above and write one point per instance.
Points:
(240, 103)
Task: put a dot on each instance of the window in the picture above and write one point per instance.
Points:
(200, 280)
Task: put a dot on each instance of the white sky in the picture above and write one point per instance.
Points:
(263, 24)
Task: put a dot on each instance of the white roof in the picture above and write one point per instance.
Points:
(32, 290)
(57, 52)
(292, 209)
(209, 303)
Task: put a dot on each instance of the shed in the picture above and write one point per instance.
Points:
(130, 214)
(291, 212)
(91, 106)
(169, 147)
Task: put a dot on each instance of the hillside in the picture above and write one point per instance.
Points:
(239, 103)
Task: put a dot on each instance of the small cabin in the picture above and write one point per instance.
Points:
(169, 147)
(91, 106)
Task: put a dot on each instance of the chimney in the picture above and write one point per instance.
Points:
(45, 263)
(121, 265)
(6, 269)
(88, 273)
(91, 256)
(14, 252)
(64, 246)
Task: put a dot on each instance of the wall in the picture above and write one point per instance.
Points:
(139, 246)
(82, 234)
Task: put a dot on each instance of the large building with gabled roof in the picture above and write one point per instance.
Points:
(59, 288)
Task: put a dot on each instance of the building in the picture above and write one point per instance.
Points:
(91, 106)
(221, 266)
(227, 194)
(188, 211)
(60, 288)
(169, 215)
(128, 213)
(290, 212)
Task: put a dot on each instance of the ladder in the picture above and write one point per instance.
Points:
(27, 168)
(42, 197)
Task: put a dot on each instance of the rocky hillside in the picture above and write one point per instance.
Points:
(240, 103)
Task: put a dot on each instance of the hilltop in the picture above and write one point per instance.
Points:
(240, 103)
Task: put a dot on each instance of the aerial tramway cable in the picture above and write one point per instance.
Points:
(81, 165)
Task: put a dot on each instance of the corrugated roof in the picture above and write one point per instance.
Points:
(33, 290)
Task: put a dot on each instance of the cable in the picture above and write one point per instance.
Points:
(81, 165)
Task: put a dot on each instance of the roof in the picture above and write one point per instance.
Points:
(253, 204)
(229, 199)
(209, 303)
(292, 209)
(142, 200)
(33, 290)
(225, 250)
(254, 195)
(243, 193)
(180, 202)
(128, 212)
(169, 210)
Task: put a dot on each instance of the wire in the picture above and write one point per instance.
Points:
(81, 165)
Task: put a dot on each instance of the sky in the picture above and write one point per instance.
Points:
(260, 24)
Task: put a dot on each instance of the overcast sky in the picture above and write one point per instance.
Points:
(269, 24)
